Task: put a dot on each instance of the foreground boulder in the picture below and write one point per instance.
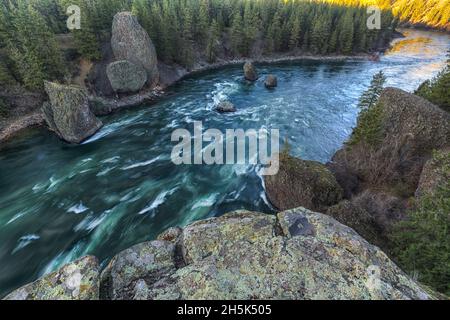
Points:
(302, 183)
(78, 280)
(68, 112)
(126, 77)
(131, 42)
(250, 73)
(298, 254)
(271, 81)
(225, 106)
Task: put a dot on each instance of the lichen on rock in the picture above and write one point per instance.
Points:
(302, 183)
(131, 42)
(68, 112)
(298, 254)
(78, 280)
(125, 76)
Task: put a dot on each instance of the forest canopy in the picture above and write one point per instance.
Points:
(189, 31)
(184, 31)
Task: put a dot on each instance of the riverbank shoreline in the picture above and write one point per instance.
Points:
(14, 126)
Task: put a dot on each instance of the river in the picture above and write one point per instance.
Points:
(59, 202)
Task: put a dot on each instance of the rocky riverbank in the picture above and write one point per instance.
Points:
(372, 182)
(128, 74)
(169, 75)
(298, 254)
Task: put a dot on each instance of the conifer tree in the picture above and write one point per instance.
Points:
(295, 34)
(371, 96)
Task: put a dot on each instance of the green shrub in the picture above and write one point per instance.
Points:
(369, 129)
(437, 90)
(4, 109)
(370, 117)
(422, 242)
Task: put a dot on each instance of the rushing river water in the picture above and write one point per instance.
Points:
(59, 202)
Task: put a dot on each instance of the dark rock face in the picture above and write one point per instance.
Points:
(68, 113)
(302, 183)
(100, 106)
(225, 106)
(297, 254)
(97, 80)
(126, 77)
(271, 81)
(250, 73)
(78, 280)
(131, 42)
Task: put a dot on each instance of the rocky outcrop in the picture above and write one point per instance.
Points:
(78, 280)
(302, 183)
(131, 42)
(356, 216)
(68, 112)
(297, 254)
(381, 178)
(250, 72)
(126, 77)
(225, 106)
(433, 176)
(271, 81)
(411, 128)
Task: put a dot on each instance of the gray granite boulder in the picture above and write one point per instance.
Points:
(131, 42)
(250, 72)
(126, 77)
(225, 106)
(271, 81)
(68, 112)
(78, 280)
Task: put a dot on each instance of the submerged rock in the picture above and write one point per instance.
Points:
(271, 81)
(225, 106)
(250, 73)
(68, 113)
(126, 77)
(298, 254)
(78, 280)
(131, 42)
(302, 183)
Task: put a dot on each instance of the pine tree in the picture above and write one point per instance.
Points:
(203, 20)
(274, 35)
(371, 96)
(213, 41)
(251, 26)
(236, 34)
(29, 44)
(346, 33)
(295, 35)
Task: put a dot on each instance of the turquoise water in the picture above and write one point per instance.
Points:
(59, 202)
